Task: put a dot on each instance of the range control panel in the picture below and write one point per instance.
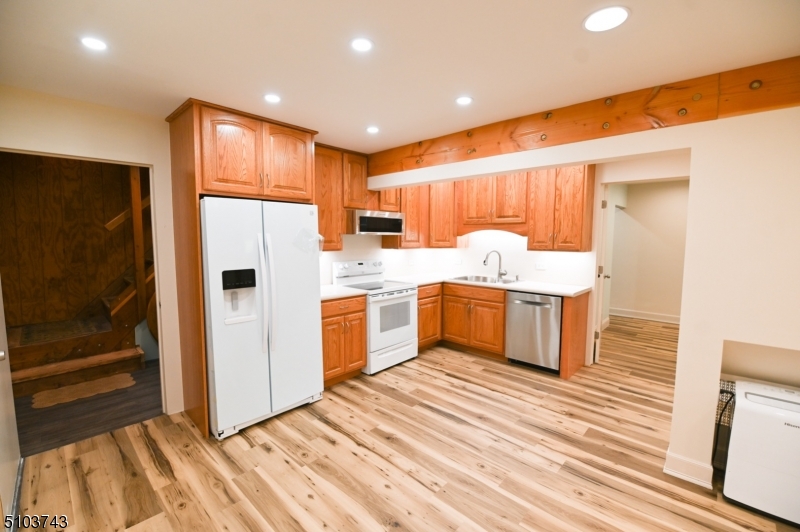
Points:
(353, 268)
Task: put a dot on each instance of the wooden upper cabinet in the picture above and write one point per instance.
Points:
(566, 197)
(476, 200)
(542, 209)
(510, 204)
(288, 157)
(389, 200)
(356, 193)
(229, 152)
(414, 204)
(441, 216)
(573, 211)
(328, 196)
(497, 202)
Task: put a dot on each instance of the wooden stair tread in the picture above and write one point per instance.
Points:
(44, 333)
(69, 366)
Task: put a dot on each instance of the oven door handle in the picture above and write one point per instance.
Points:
(378, 299)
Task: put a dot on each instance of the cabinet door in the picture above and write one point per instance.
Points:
(441, 216)
(289, 163)
(333, 347)
(390, 200)
(414, 204)
(569, 208)
(476, 200)
(229, 152)
(455, 319)
(541, 215)
(328, 196)
(355, 341)
(429, 320)
(487, 325)
(510, 199)
(356, 194)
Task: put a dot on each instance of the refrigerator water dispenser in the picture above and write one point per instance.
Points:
(239, 289)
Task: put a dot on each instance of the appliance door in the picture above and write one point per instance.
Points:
(9, 441)
(238, 364)
(533, 329)
(392, 319)
(291, 235)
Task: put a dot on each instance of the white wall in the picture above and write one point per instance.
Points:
(743, 235)
(544, 266)
(649, 242)
(39, 123)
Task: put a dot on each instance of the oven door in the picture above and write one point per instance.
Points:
(392, 319)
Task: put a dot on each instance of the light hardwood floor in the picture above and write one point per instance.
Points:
(448, 441)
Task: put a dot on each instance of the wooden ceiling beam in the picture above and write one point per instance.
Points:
(763, 87)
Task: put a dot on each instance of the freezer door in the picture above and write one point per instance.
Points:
(234, 286)
(291, 238)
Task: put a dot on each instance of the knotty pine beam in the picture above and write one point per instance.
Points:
(763, 87)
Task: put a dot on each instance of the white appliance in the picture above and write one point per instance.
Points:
(391, 312)
(763, 469)
(261, 284)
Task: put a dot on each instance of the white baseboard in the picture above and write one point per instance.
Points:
(653, 316)
(688, 469)
(606, 322)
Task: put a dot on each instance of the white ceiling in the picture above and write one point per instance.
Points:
(514, 57)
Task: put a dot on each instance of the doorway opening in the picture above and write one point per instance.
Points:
(78, 278)
(640, 284)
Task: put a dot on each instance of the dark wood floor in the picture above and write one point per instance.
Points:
(42, 429)
(446, 441)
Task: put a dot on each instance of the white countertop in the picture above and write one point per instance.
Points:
(330, 291)
(533, 287)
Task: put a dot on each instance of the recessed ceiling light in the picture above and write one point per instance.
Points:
(372, 130)
(272, 98)
(361, 44)
(463, 100)
(94, 44)
(606, 19)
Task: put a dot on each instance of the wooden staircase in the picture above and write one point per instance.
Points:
(98, 342)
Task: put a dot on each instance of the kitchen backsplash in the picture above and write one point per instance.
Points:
(543, 266)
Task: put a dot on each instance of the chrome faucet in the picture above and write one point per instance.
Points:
(500, 271)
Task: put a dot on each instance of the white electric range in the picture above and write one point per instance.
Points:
(391, 312)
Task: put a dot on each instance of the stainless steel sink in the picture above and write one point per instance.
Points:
(482, 279)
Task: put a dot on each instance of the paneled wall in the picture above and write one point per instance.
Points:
(56, 254)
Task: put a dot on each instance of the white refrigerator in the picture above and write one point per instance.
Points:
(262, 307)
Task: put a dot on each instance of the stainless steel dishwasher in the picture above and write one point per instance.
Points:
(533, 329)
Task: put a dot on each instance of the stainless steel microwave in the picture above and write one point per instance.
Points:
(361, 222)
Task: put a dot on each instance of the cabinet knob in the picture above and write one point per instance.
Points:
(2, 355)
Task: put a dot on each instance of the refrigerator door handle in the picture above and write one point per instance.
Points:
(273, 295)
(264, 297)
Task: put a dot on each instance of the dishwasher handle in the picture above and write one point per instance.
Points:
(533, 303)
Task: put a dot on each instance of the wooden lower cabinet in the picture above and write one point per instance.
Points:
(333, 347)
(474, 317)
(429, 317)
(355, 341)
(488, 325)
(344, 338)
